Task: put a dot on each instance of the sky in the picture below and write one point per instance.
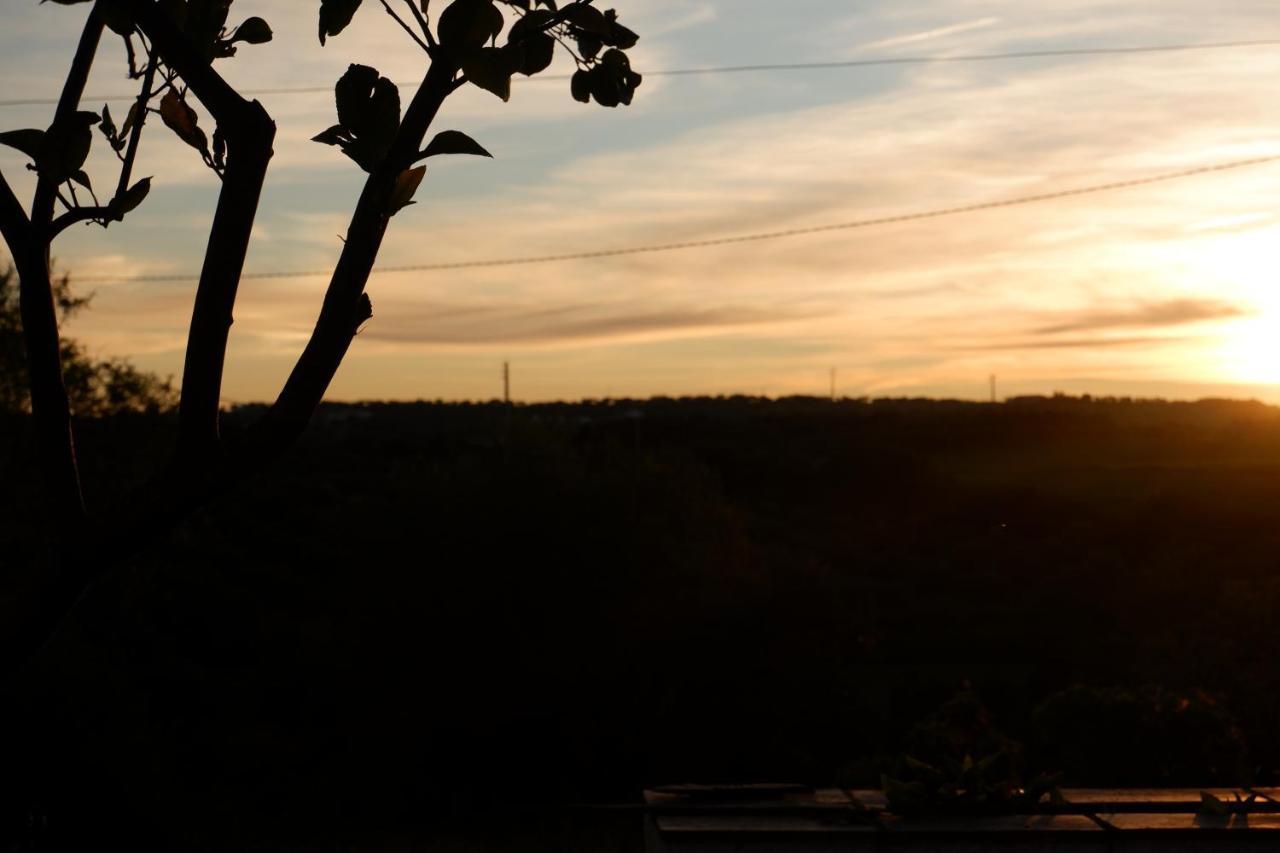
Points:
(1168, 289)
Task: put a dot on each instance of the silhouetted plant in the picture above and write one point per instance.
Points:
(172, 47)
(959, 761)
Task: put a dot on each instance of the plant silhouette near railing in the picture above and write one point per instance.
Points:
(960, 763)
(172, 47)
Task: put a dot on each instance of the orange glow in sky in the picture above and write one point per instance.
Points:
(1170, 289)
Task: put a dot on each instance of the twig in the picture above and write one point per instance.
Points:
(392, 12)
(80, 214)
(135, 132)
(422, 22)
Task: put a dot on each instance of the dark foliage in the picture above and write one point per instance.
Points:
(96, 387)
(432, 609)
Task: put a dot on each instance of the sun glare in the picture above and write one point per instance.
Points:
(1247, 264)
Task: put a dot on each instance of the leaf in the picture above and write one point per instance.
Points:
(589, 46)
(134, 195)
(491, 68)
(352, 94)
(335, 135)
(82, 178)
(580, 86)
(368, 116)
(254, 31)
(537, 48)
(28, 141)
(182, 120)
(108, 127)
(621, 37)
(454, 142)
(219, 148)
(381, 120)
(587, 18)
(335, 15)
(611, 81)
(129, 119)
(406, 185)
(536, 53)
(66, 146)
(1212, 806)
(469, 23)
(604, 86)
(204, 22)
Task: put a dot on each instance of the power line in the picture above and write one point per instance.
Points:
(740, 238)
(760, 68)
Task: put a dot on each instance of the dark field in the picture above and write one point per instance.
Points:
(434, 610)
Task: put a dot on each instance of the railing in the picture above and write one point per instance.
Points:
(709, 819)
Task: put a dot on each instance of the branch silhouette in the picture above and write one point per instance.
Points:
(181, 52)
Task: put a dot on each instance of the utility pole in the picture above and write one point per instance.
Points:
(993, 388)
(506, 382)
(833, 384)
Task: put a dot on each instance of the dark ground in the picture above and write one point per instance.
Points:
(429, 611)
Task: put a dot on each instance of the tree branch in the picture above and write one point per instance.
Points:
(422, 23)
(345, 304)
(135, 132)
(49, 403)
(408, 29)
(14, 224)
(79, 214)
(250, 133)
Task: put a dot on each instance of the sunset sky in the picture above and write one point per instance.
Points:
(1171, 289)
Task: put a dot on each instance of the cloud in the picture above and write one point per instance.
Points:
(1086, 343)
(935, 33)
(1175, 312)
(722, 155)
(480, 324)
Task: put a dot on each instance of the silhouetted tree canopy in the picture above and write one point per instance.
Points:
(96, 387)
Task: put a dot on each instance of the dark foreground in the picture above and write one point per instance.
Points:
(429, 613)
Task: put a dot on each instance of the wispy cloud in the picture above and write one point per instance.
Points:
(1085, 343)
(1175, 312)
(484, 325)
(939, 301)
(932, 34)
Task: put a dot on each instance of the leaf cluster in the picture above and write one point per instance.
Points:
(203, 21)
(467, 34)
(60, 151)
(368, 116)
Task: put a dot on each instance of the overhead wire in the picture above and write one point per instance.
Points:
(655, 248)
(771, 67)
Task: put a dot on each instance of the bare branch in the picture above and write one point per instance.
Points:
(408, 29)
(80, 214)
(135, 132)
(422, 24)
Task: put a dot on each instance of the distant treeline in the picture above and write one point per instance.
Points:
(434, 607)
